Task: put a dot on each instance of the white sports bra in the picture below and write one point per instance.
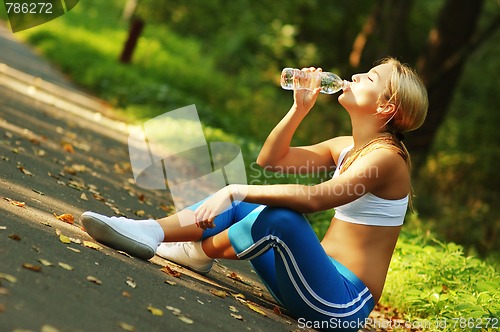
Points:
(370, 209)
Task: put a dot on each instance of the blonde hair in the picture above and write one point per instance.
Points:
(408, 94)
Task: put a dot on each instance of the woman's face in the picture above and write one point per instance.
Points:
(364, 91)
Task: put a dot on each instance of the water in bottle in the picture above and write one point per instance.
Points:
(328, 82)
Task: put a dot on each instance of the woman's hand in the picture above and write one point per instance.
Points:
(305, 99)
(214, 205)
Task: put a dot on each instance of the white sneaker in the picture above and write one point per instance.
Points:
(136, 238)
(186, 254)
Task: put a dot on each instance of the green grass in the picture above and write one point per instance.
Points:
(428, 279)
(434, 281)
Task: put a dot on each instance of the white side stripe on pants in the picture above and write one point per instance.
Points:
(273, 241)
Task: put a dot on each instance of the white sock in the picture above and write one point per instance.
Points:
(152, 228)
(198, 252)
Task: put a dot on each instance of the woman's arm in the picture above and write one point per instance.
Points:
(277, 154)
(374, 172)
(378, 170)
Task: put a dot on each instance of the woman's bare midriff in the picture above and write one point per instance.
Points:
(365, 250)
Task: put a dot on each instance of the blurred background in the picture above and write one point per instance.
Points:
(148, 57)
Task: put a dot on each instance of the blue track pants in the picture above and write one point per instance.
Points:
(286, 254)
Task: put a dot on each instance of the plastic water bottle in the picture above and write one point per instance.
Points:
(328, 82)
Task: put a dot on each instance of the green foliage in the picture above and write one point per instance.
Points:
(432, 280)
(458, 188)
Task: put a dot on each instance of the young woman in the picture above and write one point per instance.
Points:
(330, 284)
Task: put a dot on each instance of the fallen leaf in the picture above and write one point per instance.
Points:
(126, 327)
(277, 310)
(75, 240)
(185, 319)
(45, 262)
(74, 249)
(238, 317)
(38, 192)
(177, 312)
(66, 217)
(119, 169)
(84, 197)
(131, 282)
(255, 308)
(24, 170)
(124, 253)
(32, 267)
(219, 293)
(8, 277)
(67, 147)
(15, 237)
(235, 276)
(174, 310)
(165, 208)
(168, 270)
(92, 245)
(171, 283)
(155, 311)
(74, 169)
(15, 203)
(34, 140)
(64, 239)
(140, 213)
(233, 308)
(4, 291)
(238, 296)
(65, 266)
(18, 204)
(2, 228)
(94, 280)
(98, 197)
(116, 210)
(78, 185)
(126, 294)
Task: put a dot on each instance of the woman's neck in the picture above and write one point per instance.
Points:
(364, 130)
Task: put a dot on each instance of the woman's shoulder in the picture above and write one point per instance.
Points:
(339, 144)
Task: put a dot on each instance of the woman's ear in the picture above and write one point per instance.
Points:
(387, 110)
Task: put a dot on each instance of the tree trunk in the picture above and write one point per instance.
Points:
(136, 27)
(384, 33)
(440, 68)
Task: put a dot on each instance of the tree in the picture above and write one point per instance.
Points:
(385, 31)
(440, 64)
(135, 30)
(450, 43)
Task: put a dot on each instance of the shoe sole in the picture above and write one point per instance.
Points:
(106, 235)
